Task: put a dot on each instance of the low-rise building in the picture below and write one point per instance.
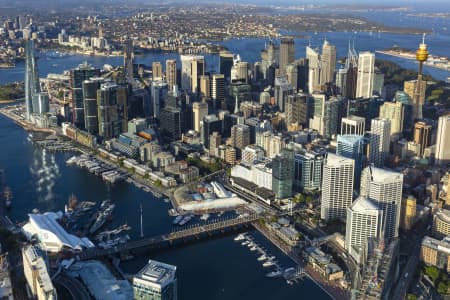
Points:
(435, 252)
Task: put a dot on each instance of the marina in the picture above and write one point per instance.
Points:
(290, 274)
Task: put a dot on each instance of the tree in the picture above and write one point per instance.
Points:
(432, 272)
(442, 288)
(411, 297)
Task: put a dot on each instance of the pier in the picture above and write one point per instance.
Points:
(167, 240)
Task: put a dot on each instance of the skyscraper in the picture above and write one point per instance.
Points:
(395, 112)
(337, 186)
(282, 90)
(171, 120)
(328, 61)
(186, 71)
(422, 135)
(364, 221)
(200, 110)
(366, 73)
(353, 125)
(218, 90)
(287, 53)
(283, 174)
(77, 76)
(292, 75)
(225, 63)
(157, 70)
(314, 70)
(384, 187)
(443, 140)
(159, 93)
(111, 104)
(297, 109)
(352, 146)
(308, 170)
(32, 86)
(171, 73)
(411, 87)
(239, 71)
(379, 141)
(205, 86)
(351, 65)
(128, 60)
(197, 70)
(90, 88)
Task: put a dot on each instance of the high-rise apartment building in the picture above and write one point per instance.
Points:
(443, 141)
(225, 63)
(379, 141)
(90, 88)
(282, 90)
(197, 70)
(366, 74)
(337, 186)
(159, 93)
(385, 188)
(364, 222)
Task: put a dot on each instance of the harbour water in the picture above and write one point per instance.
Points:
(212, 269)
(249, 50)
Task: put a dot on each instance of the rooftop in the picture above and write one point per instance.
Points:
(443, 215)
(363, 204)
(157, 272)
(336, 160)
(384, 174)
(443, 246)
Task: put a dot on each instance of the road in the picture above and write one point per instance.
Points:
(76, 290)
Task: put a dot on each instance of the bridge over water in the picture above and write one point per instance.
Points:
(166, 240)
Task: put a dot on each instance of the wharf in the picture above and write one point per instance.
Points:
(334, 292)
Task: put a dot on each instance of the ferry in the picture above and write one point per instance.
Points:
(177, 220)
(240, 237)
(274, 274)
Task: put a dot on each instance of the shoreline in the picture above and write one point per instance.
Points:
(411, 57)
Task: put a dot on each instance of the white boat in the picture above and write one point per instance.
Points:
(274, 274)
(185, 220)
(253, 248)
(204, 217)
(72, 160)
(262, 257)
(245, 243)
(268, 263)
(177, 220)
(240, 237)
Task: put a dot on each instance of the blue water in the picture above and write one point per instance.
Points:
(249, 50)
(213, 269)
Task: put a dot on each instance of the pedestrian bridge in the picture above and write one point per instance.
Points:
(166, 240)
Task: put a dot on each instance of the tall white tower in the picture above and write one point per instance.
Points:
(366, 75)
(337, 186)
(443, 140)
(364, 221)
(384, 187)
